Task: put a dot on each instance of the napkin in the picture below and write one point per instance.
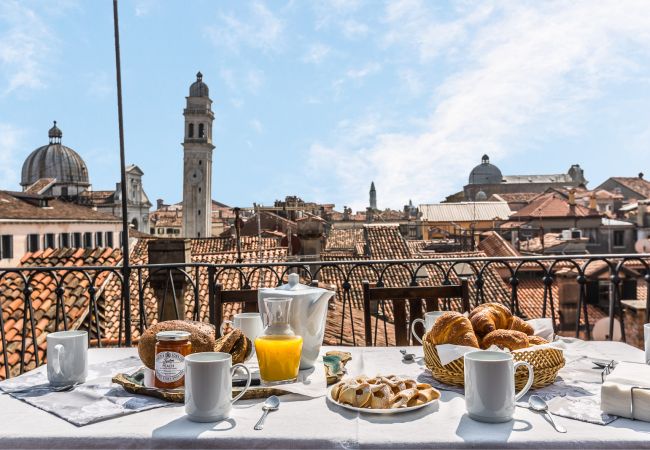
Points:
(543, 328)
(616, 391)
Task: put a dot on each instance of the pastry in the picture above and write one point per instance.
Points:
(536, 340)
(516, 323)
(383, 392)
(380, 396)
(201, 337)
(402, 398)
(510, 339)
(426, 394)
(488, 317)
(355, 394)
(452, 328)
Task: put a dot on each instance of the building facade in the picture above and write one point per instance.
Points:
(197, 161)
(30, 222)
(486, 179)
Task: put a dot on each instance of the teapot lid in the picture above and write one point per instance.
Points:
(293, 285)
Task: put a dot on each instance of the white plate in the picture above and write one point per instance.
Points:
(378, 411)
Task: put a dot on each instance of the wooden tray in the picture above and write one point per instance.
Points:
(334, 368)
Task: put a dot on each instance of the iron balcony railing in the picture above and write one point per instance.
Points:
(39, 300)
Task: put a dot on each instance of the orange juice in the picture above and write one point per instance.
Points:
(278, 357)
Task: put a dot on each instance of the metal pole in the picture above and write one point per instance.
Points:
(126, 270)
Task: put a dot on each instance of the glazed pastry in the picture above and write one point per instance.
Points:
(510, 339)
(488, 317)
(354, 394)
(452, 328)
(517, 323)
(380, 396)
(402, 399)
(536, 340)
(425, 395)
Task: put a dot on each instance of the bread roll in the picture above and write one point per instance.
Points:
(201, 336)
(452, 328)
(488, 317)
(510, 339)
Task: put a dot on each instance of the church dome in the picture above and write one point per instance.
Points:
(199, 88)
(485, 173)
(55, 161)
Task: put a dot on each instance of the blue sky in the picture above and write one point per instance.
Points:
(320, 98)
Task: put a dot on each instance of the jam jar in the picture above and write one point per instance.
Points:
(171, 349)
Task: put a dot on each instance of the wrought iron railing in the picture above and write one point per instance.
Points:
(38, 300)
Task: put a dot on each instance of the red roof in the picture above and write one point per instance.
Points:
(552, 205)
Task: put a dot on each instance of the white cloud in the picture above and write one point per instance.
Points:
(250, 80)
(316, 53)
(144, 7)
(25, 47)
(370, 68)
(9, 145)
(260, 29)
(520, 71)
(257, 125)
(353, 29)
(254, 80)
(100, 84)
(411, 81)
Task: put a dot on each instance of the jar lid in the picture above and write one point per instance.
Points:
(172, 336)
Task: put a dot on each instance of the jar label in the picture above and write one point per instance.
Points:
(170, 366)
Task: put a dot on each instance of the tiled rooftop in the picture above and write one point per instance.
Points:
(636, 184)
(44, 297)
(492, 244)
(18, 205)
(229, 244)
(552, 205)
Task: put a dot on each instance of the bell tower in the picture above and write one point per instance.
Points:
(197, 162)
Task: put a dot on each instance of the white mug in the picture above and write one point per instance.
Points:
(429, 319)
(249, 323)
(208, 386)
(490, 385)
(67, 357)
(646, 341)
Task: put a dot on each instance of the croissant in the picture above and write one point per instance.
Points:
(488, 317)
(536, 340)
(516, 323)
(510, 339)
(453, 328)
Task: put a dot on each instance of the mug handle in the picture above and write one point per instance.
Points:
(248, 381)
(223, 325)
(531, 378)
(417, 338)
(59, 351)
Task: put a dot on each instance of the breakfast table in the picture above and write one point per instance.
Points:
(303, 422)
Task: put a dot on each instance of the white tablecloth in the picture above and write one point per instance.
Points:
(314, 423)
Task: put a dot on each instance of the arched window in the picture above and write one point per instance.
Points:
(201, 131)
(190, 130)
(134, 223)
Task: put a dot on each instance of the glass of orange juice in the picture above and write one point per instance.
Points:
(279, 348)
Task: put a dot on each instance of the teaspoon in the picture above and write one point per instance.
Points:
(538, 404)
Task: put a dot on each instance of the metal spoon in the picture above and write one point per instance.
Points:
(271, 404)
(64, 388)
(407, 356)
(538, 404)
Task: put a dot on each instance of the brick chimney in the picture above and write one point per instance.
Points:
(165, 283)
(310, 233)
(593, 205)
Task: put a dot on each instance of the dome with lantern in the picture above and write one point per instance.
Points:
(485, 173)
(55, 160)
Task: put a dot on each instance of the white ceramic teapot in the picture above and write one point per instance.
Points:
(307, 316)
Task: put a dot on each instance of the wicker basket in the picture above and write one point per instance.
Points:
(546, 363)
